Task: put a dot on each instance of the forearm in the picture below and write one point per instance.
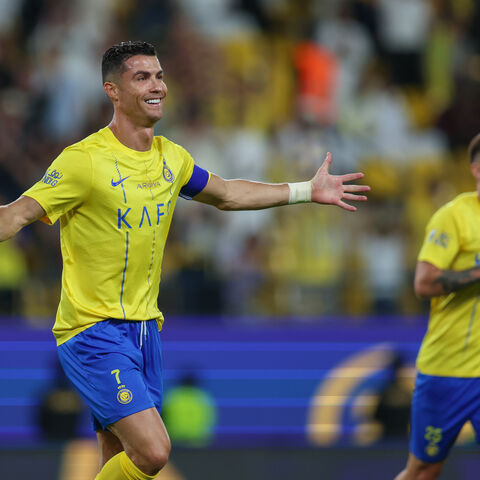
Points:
(451, 281)
(431, 281)
(249, 195)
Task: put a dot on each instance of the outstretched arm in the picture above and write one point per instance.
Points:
(247, 195)
(431, 281)
(18, 214)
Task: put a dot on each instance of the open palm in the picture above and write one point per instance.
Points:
(331, 189)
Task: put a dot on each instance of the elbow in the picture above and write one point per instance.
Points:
(227, 198)
(426, 284)
(420, 289)
(422, 294)
(423, 291)
(225, 205)
(222, 206)
(220, 202)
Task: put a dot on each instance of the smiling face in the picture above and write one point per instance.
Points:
(138, 92)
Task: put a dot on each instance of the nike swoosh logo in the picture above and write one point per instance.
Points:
(116, 184)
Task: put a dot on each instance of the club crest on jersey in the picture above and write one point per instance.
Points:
(52, 177)
(167, 173)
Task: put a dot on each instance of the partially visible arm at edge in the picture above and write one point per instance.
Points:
(18, 214)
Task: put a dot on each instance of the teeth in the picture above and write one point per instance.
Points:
(155, 100)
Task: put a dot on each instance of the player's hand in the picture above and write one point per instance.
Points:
(331, 189)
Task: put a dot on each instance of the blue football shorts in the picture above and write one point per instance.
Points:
(440, 408)
(116, 366)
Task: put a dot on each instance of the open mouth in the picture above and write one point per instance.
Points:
(154, 101)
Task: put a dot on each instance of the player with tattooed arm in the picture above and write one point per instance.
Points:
(447, 388)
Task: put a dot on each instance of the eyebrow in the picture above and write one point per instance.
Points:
(146, 72)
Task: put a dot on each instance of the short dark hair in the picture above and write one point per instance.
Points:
(113, 58)
(474, 147)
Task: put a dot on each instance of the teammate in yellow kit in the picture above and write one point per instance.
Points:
(447, 390)
(114, 193)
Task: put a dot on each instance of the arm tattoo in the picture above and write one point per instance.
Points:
(452, 281)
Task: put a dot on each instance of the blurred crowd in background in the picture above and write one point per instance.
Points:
(258, 89)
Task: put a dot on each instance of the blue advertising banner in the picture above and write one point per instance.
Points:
(291, 384)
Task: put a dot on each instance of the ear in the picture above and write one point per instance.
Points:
(111, 89)
(475, 169)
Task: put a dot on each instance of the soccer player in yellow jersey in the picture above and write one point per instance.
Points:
(114, 193)
(447, 389)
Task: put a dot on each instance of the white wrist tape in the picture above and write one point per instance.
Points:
(300, 192)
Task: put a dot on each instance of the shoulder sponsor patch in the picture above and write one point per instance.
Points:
(52, 177)
(442, 239)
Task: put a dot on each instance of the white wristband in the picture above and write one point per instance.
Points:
(300, 192)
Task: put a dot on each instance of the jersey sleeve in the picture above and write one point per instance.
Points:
(194, 178)
(442, 240)
(65, 185)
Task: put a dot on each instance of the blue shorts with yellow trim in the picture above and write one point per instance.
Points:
(116, 366)
(440, 408)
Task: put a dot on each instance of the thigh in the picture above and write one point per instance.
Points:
(416, 467)
(141, 432)
(105, 364)
(440, 408)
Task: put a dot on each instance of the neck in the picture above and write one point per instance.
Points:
(133, 136)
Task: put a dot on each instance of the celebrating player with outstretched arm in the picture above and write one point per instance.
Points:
(114, 193)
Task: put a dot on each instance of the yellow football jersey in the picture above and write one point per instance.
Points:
(451, 346)
(115, 207)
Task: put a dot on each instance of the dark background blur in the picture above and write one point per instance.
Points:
(258, 89)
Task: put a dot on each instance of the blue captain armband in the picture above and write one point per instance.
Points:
(196, 184)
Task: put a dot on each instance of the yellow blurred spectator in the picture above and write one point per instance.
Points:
(13, 273)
